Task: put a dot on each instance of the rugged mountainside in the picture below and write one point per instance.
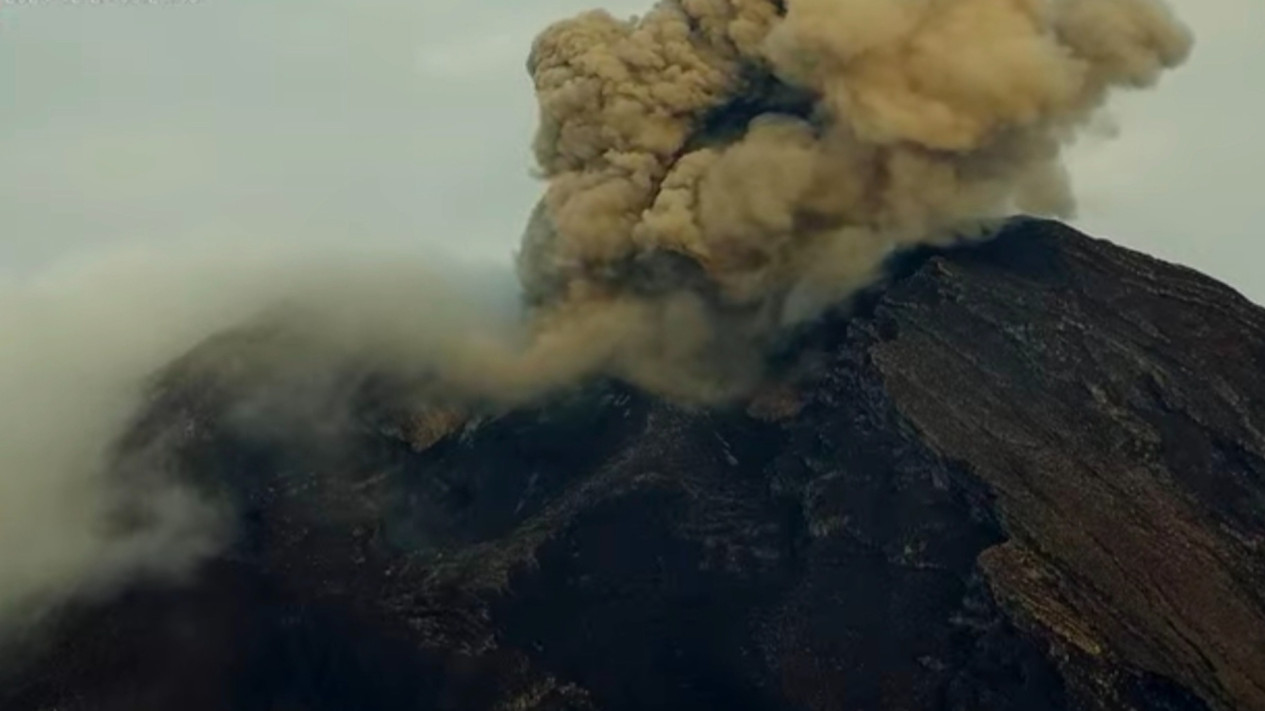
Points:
(1027, 475)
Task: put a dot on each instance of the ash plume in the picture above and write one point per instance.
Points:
(787, 148)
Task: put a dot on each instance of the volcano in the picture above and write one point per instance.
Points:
(1024, 474)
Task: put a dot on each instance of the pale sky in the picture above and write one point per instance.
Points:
(407, 122)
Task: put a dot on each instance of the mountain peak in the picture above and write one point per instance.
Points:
(1026, 474)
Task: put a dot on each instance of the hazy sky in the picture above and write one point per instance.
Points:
(398, 122)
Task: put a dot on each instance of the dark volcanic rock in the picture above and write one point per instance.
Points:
(1028, 475)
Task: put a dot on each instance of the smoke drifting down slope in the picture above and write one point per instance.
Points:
(85, 342)
(786, 149)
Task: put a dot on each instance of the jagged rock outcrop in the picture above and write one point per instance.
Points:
(1026, 475)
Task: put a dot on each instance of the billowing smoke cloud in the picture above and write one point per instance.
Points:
(788, 147)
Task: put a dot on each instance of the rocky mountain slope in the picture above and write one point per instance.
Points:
(1026, 475)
